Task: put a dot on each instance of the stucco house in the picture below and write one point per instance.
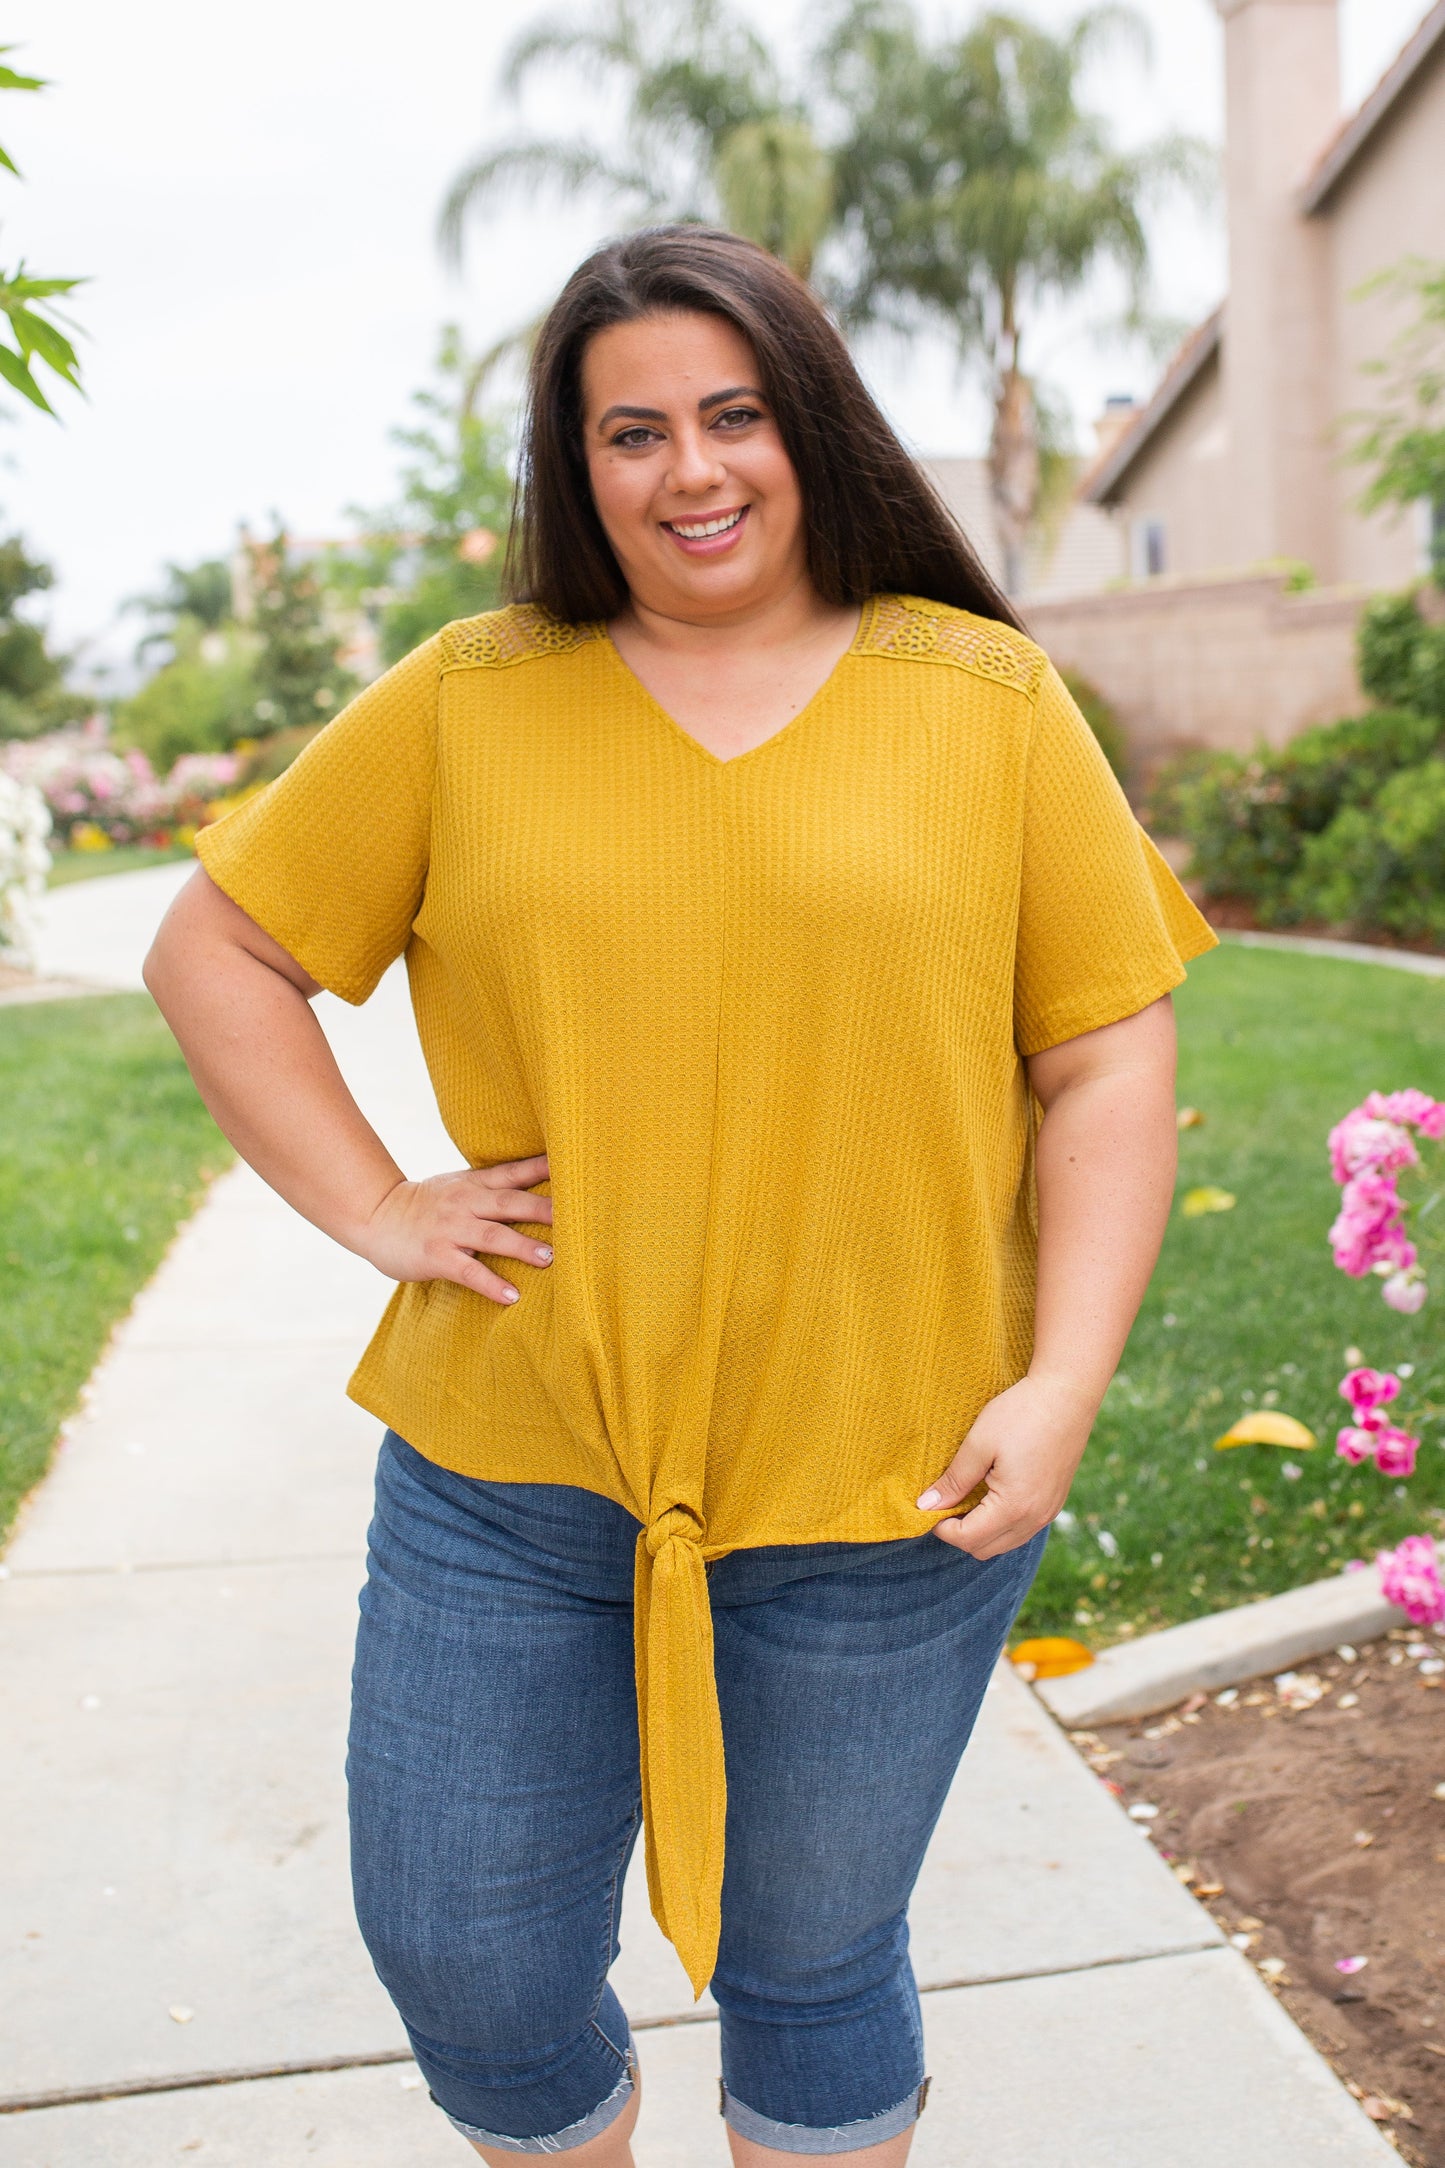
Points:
(1234, 473)
(1237, 459)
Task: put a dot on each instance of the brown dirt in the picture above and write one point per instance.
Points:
(1315, 1828)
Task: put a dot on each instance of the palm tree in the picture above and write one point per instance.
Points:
(710, 130)
(959, 181)
(972, 185)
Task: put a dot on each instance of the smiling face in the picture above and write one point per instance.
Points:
(692, 485)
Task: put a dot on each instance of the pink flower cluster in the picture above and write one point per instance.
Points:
(1410, 1577)
(1372, 1435)
(86, 781)
(1368, 1149)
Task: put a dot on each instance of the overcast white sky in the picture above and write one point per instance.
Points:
(254, 192)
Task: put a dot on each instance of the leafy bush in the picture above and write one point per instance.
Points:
(1381, 865)
(1249, 819)
(1401, 657)
(33, 696)
(1346, 823)
(1102, 720)
(200, 703)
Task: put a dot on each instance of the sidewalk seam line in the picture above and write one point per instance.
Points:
(130, 1569)
(198, 2081)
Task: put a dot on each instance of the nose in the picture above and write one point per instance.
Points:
(695, 466)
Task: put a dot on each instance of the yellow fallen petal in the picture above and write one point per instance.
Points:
(1191, 1118)
(1051, 1656)
(1199, 1201)
(1266, 1426)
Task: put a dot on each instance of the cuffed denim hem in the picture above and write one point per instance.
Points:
(840, 2138)
(561, 2141)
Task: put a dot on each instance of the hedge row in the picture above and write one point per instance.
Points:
(1346, 823)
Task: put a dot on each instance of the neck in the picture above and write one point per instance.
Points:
(785, 618)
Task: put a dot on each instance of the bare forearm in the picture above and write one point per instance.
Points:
(263, 1066)
(1106, 1163)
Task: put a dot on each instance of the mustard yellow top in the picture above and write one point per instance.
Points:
(766, 1017)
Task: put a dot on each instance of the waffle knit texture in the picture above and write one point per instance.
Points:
(766, 1016)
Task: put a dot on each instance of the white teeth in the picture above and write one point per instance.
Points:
(708, 527)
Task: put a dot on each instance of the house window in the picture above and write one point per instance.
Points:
(1147, 552)
(1430, 537)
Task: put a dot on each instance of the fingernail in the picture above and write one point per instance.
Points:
(543, 1254)
(511, 1294)
(929, 1500)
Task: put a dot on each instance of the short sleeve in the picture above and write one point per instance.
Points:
(331, 859)
(1104, 928)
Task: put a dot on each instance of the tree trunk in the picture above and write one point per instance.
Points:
(1013, 460)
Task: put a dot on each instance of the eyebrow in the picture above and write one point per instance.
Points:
(655, 414)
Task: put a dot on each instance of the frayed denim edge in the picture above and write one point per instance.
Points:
(562, 2141)
(841, 2138)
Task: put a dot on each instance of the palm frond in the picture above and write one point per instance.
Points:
(533, 168)
(1111, 24)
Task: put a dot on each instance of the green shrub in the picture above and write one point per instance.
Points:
(1346, 823)
(1102, 720)
(193, 705)
(1427, 682)
(1389, 634)
(1249, 819)
(1381, 866)
(1166, 811)
(1401, 657)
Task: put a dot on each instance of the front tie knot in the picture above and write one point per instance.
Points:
(684, 1783)
(679, 1524)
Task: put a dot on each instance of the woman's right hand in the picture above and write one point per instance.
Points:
(432, 1230)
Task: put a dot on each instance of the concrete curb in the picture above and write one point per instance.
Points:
(1350, 952)
(1139, 1678)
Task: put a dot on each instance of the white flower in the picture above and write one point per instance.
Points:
(24, 863)
(1108, 1544)
(1406, 1291)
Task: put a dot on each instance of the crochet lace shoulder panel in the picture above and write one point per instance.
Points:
(921, 631)
(517, 634)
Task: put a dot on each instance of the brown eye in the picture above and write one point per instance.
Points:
(737, 417)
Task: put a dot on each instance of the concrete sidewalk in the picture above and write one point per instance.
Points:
(183, 1977)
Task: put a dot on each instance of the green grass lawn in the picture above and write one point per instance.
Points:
(104, 1148)
(68, 866)
(1247, 1310)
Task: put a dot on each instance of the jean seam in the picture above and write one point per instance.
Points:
(610, 1935)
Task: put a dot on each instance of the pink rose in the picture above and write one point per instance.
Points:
(1355, 1445)
(1363, 1142)
(1370, 1227)
(1415, 1107)
(1366, 1389)
(1395, 1451)
(1410, 1577)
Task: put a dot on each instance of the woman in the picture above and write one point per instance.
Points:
(760, 888)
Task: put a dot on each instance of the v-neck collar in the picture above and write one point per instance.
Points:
(735, 760)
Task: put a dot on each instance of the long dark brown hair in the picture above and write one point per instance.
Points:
(874, 523)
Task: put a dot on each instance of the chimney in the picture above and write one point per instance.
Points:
(1282, 102)
(1120, 409)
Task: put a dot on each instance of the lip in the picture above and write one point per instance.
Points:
(712, 545)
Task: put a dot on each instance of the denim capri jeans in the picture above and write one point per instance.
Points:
(495, 1802)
